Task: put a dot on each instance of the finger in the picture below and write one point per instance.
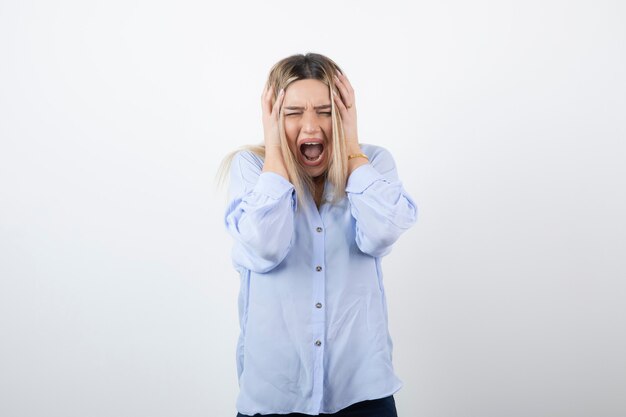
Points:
(339, 103)
(278, 103)
(344, 80)
(343, 90)
(267, 100)
(265, 88)
(264, 98)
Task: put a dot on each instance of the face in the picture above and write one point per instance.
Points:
(308, 124)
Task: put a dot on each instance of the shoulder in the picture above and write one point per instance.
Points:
(247, 161)
(247, 157)
(246, 166)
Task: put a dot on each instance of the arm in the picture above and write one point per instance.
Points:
(381, 207)
(260, 215)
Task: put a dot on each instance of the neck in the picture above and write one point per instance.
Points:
(319, 179)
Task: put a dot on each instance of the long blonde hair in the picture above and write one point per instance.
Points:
(282, 74)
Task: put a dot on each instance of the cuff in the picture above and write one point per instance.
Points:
(273, 185)
(361, 178)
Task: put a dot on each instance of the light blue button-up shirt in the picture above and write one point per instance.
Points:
(312, 307)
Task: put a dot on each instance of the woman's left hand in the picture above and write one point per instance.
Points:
(347, 108)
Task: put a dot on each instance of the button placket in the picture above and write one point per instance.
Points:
(318, 316)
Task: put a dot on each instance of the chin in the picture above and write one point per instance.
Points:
(316, 173)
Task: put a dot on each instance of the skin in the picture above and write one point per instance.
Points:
(309, 122)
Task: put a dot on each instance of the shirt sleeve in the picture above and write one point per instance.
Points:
(381, 207)
(260, 215)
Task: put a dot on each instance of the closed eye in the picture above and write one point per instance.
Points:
(324, 112)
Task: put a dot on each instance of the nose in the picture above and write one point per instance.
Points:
(310, 122)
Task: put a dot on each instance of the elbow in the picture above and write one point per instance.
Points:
(406, 217)
(267, 250)
(260, 259)
(261, 247)
(262, 266)
(378, 237)
(376, 246)
(265, 261)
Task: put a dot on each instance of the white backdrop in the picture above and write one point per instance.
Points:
(506, 120)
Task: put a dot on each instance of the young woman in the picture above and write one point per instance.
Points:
(312, 212)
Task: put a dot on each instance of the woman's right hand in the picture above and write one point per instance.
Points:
(271, 111)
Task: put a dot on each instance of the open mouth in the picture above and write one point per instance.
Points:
(312, 152)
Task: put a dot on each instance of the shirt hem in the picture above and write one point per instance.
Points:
(325, 411)
(369, 398)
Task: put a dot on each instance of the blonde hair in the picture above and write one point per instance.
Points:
(282, 74)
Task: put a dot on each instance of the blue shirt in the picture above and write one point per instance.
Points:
(312, 309)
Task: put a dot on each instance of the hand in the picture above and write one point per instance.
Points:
(347, 108)
(271, 110)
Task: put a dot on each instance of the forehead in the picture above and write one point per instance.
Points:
(302, 92)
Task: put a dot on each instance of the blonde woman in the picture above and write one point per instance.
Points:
(312, 211)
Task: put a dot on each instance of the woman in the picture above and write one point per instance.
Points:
(312, 212)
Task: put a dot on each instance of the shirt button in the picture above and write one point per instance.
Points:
(318, 343)
(319, 229)
(318, 268)
(318, 305)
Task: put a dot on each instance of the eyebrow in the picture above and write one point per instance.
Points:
(325, 106)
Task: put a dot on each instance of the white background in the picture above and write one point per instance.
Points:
(506, 121)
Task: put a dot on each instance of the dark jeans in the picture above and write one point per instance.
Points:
(383, 407)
